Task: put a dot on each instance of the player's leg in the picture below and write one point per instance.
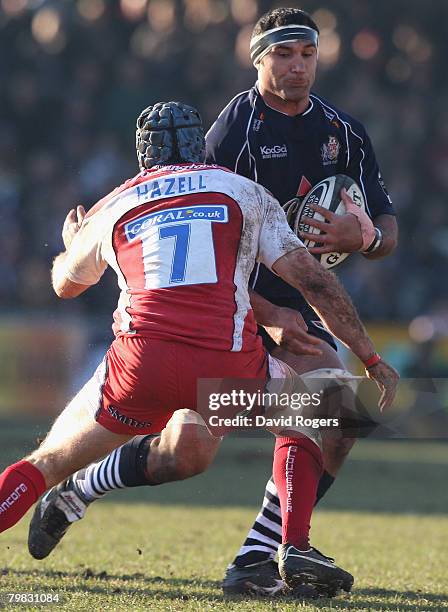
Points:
(183, 449)
(265, 535)
(335, 450)
(297, 468)
(127, 467)
(74, 440)
(254, 568)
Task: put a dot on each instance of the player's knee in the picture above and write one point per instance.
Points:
(184, 449)
(335, 452)
(176, 465)
(185, 416)
(193, 455)
(188, 467)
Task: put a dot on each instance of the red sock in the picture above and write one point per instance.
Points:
(297, 470)
(21, 484)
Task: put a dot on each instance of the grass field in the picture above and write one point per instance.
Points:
(166, 548)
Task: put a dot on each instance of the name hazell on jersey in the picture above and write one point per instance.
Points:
(170, 186)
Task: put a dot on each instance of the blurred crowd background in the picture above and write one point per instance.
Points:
(74, 74)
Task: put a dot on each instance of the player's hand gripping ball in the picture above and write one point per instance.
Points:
(327, 195)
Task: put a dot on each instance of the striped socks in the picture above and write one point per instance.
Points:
(125, 467)
(265, 535)
(99, 478)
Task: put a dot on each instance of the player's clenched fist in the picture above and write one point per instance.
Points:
(72, 224)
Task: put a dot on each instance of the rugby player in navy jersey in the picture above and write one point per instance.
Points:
(288, 139)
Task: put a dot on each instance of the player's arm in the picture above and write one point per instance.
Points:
(285, 326)
(80, 259)
(327, 296)
(364, 169)
(63, 286)
(388, 226)
(329, 299)
(283, 253)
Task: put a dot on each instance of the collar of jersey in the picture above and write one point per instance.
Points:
(274, 110)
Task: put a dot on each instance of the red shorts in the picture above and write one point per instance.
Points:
(142, 381)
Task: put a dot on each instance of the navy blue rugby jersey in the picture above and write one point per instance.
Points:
(288, 155)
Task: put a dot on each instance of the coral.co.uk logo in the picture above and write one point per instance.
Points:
(274, 152)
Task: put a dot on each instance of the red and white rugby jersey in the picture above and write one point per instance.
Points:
(183, 241)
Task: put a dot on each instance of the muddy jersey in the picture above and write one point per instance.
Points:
(183, 241)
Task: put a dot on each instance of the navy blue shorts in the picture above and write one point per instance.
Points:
(315, 325)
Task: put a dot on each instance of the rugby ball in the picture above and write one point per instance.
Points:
(327, 194)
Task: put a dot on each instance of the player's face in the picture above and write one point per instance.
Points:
(287, 73)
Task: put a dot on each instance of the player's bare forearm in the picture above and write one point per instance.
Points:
(63, 286)
(328, 297)
(57, 273)
(389, 228)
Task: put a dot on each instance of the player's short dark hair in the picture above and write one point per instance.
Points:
(282, 17)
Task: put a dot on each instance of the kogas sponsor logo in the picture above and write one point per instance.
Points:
(204, 212)
(170, 186)
(275, 151)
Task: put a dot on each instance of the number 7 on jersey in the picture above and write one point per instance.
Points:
(176, 245)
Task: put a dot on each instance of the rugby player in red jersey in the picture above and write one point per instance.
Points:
(285, 137)
(183, 238)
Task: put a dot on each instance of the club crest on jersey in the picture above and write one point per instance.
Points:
(330, 151)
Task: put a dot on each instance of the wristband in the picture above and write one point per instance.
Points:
(376, 243)
(372, 361)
